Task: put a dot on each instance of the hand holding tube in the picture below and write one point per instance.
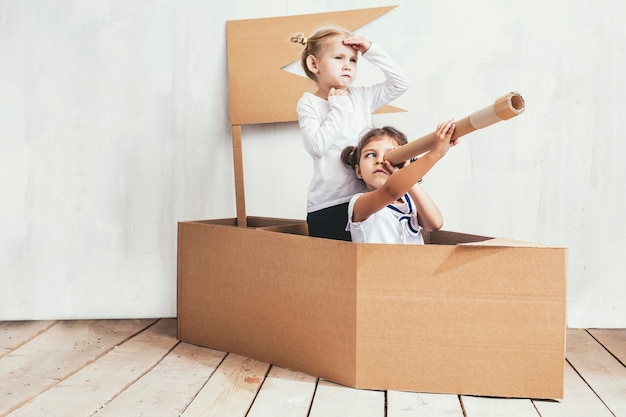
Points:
(504, 108)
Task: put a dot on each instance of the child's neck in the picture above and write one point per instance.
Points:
(322, 93)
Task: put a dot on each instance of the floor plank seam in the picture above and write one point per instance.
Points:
(308, 413)
(140, 331)
(534, 403)
(73, 372)
(42, 331)
(462, 405)
(386, 405)
(605, 348)
(256, 394)
(139, 376)
(193, 398)
(590, 387)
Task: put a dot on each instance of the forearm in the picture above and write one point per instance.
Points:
(429, 215)
(403, 180)
(319, 133)
(397, 185)
(396, 80)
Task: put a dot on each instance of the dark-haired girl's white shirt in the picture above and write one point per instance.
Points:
(396, 223)
(328, 126)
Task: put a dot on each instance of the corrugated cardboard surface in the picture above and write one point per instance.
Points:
(461, 319)
(243, 290)
(481, 320)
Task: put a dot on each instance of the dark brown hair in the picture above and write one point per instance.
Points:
(352, 154)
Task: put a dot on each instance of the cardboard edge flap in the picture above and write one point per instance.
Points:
(505, 242)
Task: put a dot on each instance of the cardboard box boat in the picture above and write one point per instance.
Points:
(462, 314)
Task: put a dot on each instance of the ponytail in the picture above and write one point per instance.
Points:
(299, 38)
(350, 156)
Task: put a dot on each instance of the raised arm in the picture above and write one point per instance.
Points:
(396, 82)
(402, 180)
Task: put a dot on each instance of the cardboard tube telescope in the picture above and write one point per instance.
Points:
(504, 108)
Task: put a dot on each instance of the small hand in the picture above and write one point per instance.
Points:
(389, 167)
(443, 137)
(337, 92)
(358, 42)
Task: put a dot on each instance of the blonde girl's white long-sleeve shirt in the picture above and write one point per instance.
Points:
(328, 126)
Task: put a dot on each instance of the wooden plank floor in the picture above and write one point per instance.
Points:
(138, 368)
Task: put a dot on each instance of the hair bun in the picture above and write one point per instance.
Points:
(299, 38)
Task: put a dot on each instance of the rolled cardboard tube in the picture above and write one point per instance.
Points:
(504, 108)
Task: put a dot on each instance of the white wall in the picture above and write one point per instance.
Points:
(114, 126)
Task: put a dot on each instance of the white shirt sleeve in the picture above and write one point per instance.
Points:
(319, 130)
(396, 82)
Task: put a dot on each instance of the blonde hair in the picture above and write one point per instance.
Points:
(314, 44)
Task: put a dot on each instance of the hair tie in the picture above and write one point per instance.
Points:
(299, 38)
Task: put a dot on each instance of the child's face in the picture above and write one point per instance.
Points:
(371, 168)
(336, 65)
